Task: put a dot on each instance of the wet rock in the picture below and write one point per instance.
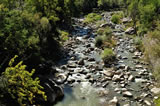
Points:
(135, 57)
(117, 89)
(116, 78)
(88, 76)
(139, 67)
(126, 105)
(63, 67)
(119, 56)
(61, 78)
(131, 78)
(91, 59)
(113, 102)
(127, 94)
(130, 31)
(52, 90)
(91, 49)
(72, 65)
(102, 92)
(147, 103)
(120, 61)
(86, 36)
(99, 67)
(131, 50)
(109, 72)
(126, 68)
(121, 40)
(155, 90)
(73, 58)
(122, 66)
(105, 84)
(123, 85)
(124, 57)
(143, 95)
(126, 76)
(137, 80)
(88, 45)
(137, 53)
(124, 89)
(104, 25)
(71, 80)
(81, 62)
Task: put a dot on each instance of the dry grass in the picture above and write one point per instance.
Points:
(152, 52)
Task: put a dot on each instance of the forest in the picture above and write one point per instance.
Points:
(35, 35)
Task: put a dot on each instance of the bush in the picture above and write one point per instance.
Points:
(100, 31)
(63, 35)
(157, 102)
(105, 39)
(108, 55)
(107, 31)
(92, 17)
(115, 19)
(20, 84)
(138, 42)
(99, 41)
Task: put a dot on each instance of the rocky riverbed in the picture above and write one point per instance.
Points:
(87, 81)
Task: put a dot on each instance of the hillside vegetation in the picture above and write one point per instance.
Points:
(35, 30)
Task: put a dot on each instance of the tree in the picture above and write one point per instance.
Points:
(147, 13)
(134, 12)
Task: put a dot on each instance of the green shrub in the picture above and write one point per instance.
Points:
(120, 14)
(107, 31)
(64, 35)
(92, 17)
(115, 19)
(99, 41)
(107, 55)
(105, 39)
(100, 22)
(20, 84)
(139, 43)
(100, 31)
(157, 102)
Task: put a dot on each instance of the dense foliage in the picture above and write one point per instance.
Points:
(20, 85)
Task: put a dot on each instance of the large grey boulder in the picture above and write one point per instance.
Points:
(53, 92)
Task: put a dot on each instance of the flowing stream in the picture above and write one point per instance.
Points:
(89, 83)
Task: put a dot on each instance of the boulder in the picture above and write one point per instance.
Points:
(113, 102)
(116, 78)
(53, 92)
(147, 103)
(71, 65)
(81, 62)
(127, 94)
(155, 90)
(104, 25)
(131, 78)
(109, 72)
